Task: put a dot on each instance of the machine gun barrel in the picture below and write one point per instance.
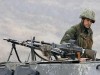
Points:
(23, 43)
(12, 41)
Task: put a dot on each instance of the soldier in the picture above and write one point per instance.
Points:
(82, 32)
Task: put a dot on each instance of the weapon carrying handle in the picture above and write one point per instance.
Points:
(32, 41)
(42, 42)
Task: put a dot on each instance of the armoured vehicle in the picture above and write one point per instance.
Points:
(56, 59)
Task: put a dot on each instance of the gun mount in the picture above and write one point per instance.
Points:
(43, 50)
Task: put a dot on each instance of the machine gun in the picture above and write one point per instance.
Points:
(66, 49)
(52, 49)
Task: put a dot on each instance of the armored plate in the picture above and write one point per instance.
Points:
(61, 68)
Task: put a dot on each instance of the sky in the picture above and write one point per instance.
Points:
(47, 20)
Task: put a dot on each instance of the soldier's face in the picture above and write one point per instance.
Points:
(87, 23)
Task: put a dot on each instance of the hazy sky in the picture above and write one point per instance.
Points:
(47, 20)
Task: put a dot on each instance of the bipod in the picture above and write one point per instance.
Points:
(13, 48)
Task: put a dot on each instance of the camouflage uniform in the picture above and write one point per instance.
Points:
(82, 35)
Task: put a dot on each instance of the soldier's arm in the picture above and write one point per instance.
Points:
(69, 34)
(92, 38)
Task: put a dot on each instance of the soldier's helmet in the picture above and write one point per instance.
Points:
(87, 13)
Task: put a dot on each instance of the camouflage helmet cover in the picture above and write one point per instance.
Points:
(87, 13)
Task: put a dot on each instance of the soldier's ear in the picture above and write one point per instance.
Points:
(82, 20)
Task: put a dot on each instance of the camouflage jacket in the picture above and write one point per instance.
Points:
(82, 35)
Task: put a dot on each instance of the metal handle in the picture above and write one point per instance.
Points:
(98, 67)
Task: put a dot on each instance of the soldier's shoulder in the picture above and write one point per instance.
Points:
(76, 27)
(73, 28)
